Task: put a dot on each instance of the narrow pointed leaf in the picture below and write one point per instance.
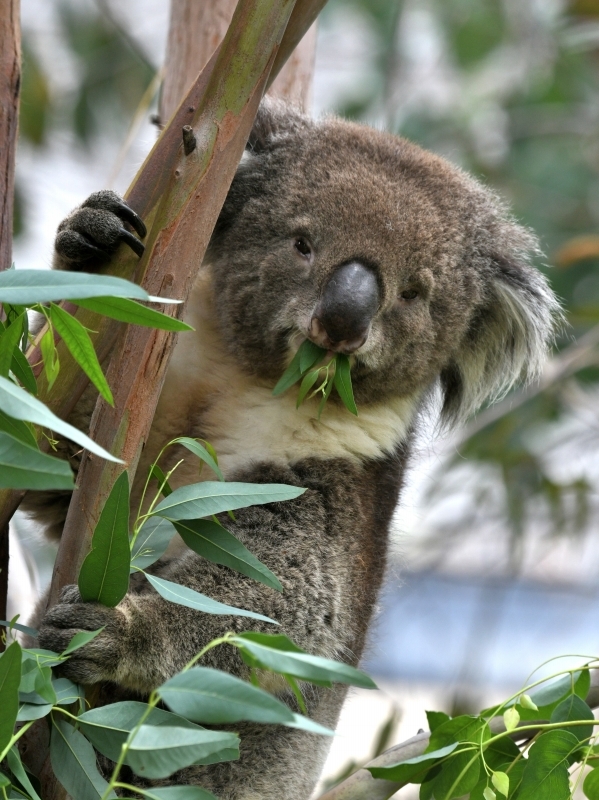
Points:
(201, 452)
(307, 383)
(80, 346)
(342, 382)
(18, 626)
(30, 286)
(16, 767)
(291, 375)
(177, 793)
(184, 596)
(104, 574)
(152, 540)
(207, 695)
(130, 311)
(157, 753)
(159, 476)
(22, 371)
(209, 497)
(49, 357)
(24, 467)
(309, 354)
(277, 653)
(405, 771)
(9, 342)
(212, 541)
(10, 677)
(79, 640)
(74, 763)
(18, 403)
(306, 724)
(17, 429)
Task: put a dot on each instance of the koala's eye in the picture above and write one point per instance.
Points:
(409, 294)
(302, 247)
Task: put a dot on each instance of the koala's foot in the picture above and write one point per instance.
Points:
(89, 236)
(99, 659)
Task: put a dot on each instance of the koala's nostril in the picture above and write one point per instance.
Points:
(348, 304)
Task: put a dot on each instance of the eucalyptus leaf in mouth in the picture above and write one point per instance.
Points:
(318, 378)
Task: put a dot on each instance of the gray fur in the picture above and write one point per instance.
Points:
(482, 319)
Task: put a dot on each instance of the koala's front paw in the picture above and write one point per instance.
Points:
(89, 236)
(99, 659)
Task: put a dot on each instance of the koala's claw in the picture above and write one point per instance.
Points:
(92, 233)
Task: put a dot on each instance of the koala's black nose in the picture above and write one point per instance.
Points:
(341, 320)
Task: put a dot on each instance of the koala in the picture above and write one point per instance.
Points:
(369, 246)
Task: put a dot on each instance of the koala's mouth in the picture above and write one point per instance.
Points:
(349, 345)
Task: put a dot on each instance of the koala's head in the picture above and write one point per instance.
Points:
(369, 245)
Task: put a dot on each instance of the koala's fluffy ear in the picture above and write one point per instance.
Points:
(274, 119)
(511, 332)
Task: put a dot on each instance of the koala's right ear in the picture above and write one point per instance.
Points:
(275, 119)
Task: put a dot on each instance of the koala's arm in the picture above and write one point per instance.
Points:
(148, 639)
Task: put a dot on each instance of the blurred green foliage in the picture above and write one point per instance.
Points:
(510, 92)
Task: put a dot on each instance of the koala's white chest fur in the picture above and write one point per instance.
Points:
(206, 394)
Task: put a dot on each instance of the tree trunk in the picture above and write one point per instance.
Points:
(10, 81)
(197, 29)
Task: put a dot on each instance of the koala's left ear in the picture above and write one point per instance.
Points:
(275, 119)
(510, 334)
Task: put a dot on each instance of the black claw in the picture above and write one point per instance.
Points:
(128, 215)
(133, 243)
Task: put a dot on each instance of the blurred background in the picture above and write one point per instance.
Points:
(495, 566)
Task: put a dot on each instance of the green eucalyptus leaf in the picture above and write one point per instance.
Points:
(342, 381)
(309, 354)
(292, 375)
(104, 574)
(574, 708)
(209, 497)
(307, 383)
(590, 787)
(130, 311)
(201, 452)
(151, 542)
(207, 695)
(13, 759)
(25, 467)
(18, 430)
(30, 286)
(501, 782)
(10, 677)
(277, 653)
(67, 692)
(74, 763)
(436, 718)
(80, 346)
(412, 769)
(9, 342)
(184, 596)
(306, 724)
(212, 541)
(108, 727)
(79, 640)
(157, 752)
(22, 371)
(159, 476)
(50, 357)
(29, 711)
(17, 626)
(18, 403)
(177, 793)
(546, 776)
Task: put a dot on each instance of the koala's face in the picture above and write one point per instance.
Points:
(368, 245)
